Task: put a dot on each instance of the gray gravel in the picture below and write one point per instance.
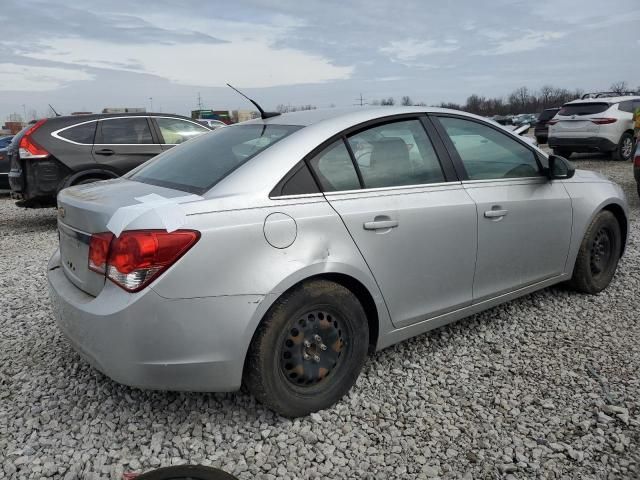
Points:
(543, 387)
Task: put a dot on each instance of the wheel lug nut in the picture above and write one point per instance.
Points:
(316, 358)
(317, 338)
(307, 343)
(306, 356)
(323, 346)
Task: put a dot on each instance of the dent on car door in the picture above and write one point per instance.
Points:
(124, 143)
(524, 220)
(416, 231)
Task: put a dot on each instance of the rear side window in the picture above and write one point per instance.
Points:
(583, 108)
(396, 154)
(129, 131)
(547, 115)
(334, 169)
(82, 133)
(198, 165)
(628, 106)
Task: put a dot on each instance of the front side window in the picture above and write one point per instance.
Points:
(127, 131)
(176, 130)
(334, 169)
(196, 166)
(396, 154)
(82, 133)
(487, 153)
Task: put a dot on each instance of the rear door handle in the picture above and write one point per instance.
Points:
(495, 213)
(380, 224)
(105, 151)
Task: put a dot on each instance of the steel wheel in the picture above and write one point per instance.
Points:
(601, 251)
(627, 147)
(312, 348)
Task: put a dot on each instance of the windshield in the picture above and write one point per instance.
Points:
(197, 165)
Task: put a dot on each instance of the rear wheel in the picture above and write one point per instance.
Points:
(309, 349)
(598, 255)
(624, 150)
(563, 152)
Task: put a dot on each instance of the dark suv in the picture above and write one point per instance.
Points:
(541, 130)
(55, 153)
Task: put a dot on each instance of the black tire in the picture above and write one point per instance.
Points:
(624, 150)
(598, 255)
(191, 472)
(280, 370)
(638, 188)
(563, 152)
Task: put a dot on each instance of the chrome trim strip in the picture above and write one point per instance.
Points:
(73, 233)
(455, 183)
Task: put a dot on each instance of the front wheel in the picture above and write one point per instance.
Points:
(598, 256)
(309, 349)
(624, 150)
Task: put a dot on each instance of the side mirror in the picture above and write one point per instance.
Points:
(559, 168)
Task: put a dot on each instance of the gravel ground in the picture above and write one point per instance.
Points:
(543, 387)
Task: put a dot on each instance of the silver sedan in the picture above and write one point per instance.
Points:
(277, 253)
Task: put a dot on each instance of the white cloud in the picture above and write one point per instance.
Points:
(523, 43)
(410, 48)
(246, 63)
(31, 78)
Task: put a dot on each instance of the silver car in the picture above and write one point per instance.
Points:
(279, 252)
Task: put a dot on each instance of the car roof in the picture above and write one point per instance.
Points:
(610, 100)
(98, 116)
(357, 114)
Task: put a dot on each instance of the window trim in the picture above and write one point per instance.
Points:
(457, 160)
(442, 155)
(56, 134)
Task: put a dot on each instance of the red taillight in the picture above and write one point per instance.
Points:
(99, 251)
(603, 120)
(28, 147)
(135, 258)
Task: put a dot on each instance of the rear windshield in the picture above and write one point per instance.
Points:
(197, 165)
(547, 114)
(583, 108)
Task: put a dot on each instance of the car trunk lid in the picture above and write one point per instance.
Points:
(577, 118)
(86, 209)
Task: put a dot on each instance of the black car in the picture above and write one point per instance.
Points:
(4, 162)
(55, 153)
(636, 165)
(541, 130)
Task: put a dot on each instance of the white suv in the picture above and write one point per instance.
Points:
(596, 124)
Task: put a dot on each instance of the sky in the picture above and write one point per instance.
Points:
(161, 54)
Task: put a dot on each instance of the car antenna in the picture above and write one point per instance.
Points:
(263, 115)
(54, 110)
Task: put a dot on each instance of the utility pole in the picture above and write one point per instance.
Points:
(24, 110)
(361, 101)
(199, 101)
(151, 103)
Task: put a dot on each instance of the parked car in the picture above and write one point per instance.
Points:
(541, 129)
(603, 124)
(55, 153)
(278, 252)
(523, 119)
(5, 141)
(4, 169)
(212, 124)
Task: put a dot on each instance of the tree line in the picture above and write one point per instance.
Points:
(521, 100)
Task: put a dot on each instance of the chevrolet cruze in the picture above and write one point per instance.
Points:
(278, 252)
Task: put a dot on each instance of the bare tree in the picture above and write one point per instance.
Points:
(388, 101)
(406, 101)
(619, 87)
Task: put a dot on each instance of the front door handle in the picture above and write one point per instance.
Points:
(380, 224)
(105, 151)
(495, 213)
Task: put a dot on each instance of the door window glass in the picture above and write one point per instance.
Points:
(334, 169)
(395, 154)
(126, 131)
(487, 153)
(175, 130)
(82, 133)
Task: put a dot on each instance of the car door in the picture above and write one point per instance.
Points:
(524, 220)
(123, 143)
(414, 225)
(173, 131)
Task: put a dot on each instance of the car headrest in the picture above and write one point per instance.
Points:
(391, 152)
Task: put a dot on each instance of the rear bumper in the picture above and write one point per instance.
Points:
(37, 179)
(586, 144)
(148, 341)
